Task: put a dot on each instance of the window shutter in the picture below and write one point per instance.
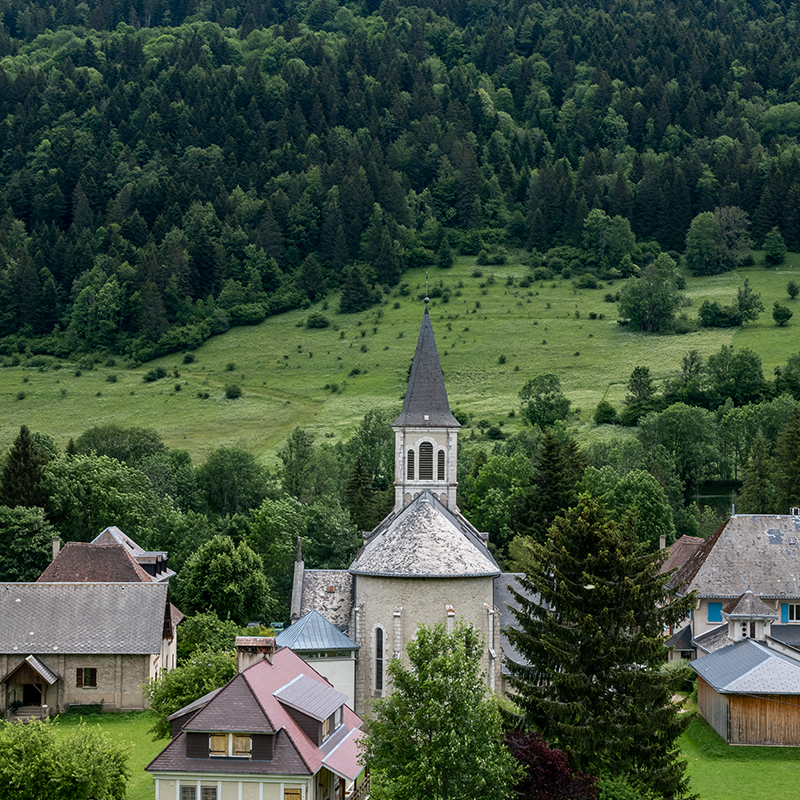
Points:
(79, 677)
(784, 612)
(426, 461)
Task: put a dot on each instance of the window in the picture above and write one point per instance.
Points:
(188, 793)
(326, 728)
(426, 461)
(410, 466)
(292, 794)
(790, 612)
(86, 677)
(715, 612)
(208, 793)
(238, 745)
(440, 468)
(378, 660)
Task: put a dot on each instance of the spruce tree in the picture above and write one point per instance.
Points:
(592, 645)
(758, 493)
(360, 495)
(22, 474)
(787, 465)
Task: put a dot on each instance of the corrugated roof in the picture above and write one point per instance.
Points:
(318, 700)
(757, 552)
(426, 403)
(425, 540)
(747, 667)
(90, 618)
(313, 632)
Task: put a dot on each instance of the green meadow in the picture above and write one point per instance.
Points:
(491, 333)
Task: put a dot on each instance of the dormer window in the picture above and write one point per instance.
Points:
(236, 745)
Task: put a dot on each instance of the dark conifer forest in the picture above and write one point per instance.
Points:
(171, 168)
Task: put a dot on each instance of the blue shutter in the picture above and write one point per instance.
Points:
(715, 612)
(784, 612)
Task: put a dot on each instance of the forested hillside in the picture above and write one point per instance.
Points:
(170, 169)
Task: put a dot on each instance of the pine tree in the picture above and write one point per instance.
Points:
(592, 644)
(356, 294)
(359, 492)
(787, 465)
(22, 474)
(758, 493)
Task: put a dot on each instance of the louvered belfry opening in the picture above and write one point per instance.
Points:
(410, 466)
(426, 461)
(379, 660)
(440, 467)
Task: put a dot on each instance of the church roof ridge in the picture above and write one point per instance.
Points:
(426, 403)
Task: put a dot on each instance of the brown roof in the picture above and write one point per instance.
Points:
(679, 551)
(426, 403)
(84, 562)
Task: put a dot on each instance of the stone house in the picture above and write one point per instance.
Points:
(66, 643)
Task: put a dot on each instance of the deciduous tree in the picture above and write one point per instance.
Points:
(438, 735)
(651, 301)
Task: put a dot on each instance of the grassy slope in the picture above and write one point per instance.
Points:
(132, 729)
(283, 367)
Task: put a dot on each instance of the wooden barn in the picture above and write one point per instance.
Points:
(750, 694)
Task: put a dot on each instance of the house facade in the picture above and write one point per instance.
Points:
(744, 632)
(66, 643)
(276, 731)
(425, 563)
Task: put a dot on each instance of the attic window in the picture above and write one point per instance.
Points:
(425, 417)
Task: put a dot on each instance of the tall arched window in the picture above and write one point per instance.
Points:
(426, 461)
(410, 466)
(378, 660)
(440, 466)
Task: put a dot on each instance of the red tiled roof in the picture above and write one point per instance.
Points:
(681, 550)
(84, 563)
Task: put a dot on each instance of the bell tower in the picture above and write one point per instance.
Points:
(426, 431)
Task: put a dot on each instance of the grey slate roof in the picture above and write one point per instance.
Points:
(318, 700)
(334, 605)
(89, 618)
(425, 540)
(505, 601)
(759, 552)
(747, 667)
(713, 640)
(426, 403)
(313, 632)
(748, 606)
(786, 634)
(681, 641)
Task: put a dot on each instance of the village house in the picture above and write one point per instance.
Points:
(276, 731)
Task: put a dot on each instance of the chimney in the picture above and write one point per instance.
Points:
(662, 542)
(252, 649)
(56, 546)
(794, 511)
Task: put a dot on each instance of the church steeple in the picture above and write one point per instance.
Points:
(426, 430)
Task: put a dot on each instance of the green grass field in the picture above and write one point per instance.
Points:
(131, 728)
(717, 771)
(284, 368)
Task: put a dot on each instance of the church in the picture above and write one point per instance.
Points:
(425, 563)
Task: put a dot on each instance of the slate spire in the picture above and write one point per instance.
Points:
(426, 403)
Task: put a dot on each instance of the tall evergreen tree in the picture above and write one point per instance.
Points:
(593, 645)
(758, 493)
(22, 474)
(787, 465)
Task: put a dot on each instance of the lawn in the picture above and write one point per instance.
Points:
(132, 729)
(719, 771)
(492, 335)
